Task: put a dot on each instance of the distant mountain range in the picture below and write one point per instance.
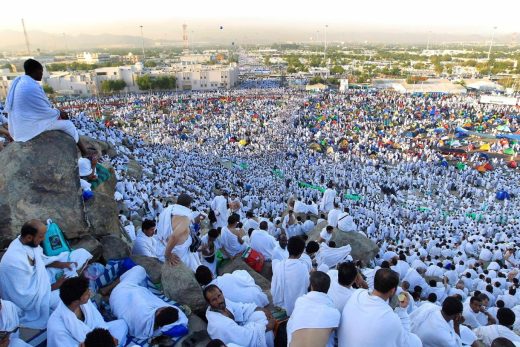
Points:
(14, 40)
(254, 34)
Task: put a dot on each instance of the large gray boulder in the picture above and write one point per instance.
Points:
(179, 284)
(152, 266)
(134, 170)
(101, 210)
(114, 247)
(100, 147)
(363, 248)
(90, 244)
(39, 179)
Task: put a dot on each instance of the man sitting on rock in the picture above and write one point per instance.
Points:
(233, 322)
(145, 244)
(145, 314)
(76, 316)
(238, 286)
(30, 112)
(30, 279)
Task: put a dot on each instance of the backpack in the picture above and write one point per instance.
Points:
(254, 259)
(54, 242)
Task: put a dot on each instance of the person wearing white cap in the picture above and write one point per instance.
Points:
(85, 173)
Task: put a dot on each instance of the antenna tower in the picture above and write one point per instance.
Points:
(185, 36)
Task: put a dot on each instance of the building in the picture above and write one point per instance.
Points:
(206, 77)
(126, 73)
(192, 59)
(322, 72)
(93, 58)
(71, 84)
(6, 78)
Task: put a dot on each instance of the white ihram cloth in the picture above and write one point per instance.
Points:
(333, 256)
(30, 112)
(428, 323)
(79, 256)
(279, 253)
(490, 332)
(144, 245)
(247, 329)
(313, 310)
(164, 232)
(346, 223)
(9, 321)
(136, 305)
(368, 321)
(264, 243)
(327, 202)
(219, 206)
(338, 293)
(290, 281)
(239, 286)
(26, 283)
(64, 329)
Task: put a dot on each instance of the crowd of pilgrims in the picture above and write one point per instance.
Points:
(260, 169)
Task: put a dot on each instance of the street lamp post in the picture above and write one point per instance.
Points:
(142, 44)
(325, 51)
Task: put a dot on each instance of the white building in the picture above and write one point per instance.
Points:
(206, 77)
(126, 73)
(322, 72)
(93, 58)
(77, 84)
(6, 78)
(192, 59)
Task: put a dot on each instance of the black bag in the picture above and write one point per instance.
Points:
(211, 216)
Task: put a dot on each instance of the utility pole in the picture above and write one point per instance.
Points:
(142, 44)
(489, 51)
(325, 51)
(26, 38)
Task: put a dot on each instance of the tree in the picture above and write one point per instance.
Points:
(144, 82)
(415, 79)
(48, 89)
(438, 68)
(150, 63)
(267, 60)
(316, 80)
(337, 70)
(110, 86)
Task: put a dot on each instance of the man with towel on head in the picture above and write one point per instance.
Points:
(145, 314)
(30, 112)
(314, 316)
(30, 279)
(173, 232)
(9, 323)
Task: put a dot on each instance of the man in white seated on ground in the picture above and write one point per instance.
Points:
(26, 274)
(290, 276)
(346, 222)
(475, 313)
(145, 314)
(9, 323)
(438, 326)
(145, 243)
(239, 323)
(369, 321)
(30, 112)
(174, 231)
(76, 316)
(237, 286)
(506, 318)
(262, 242)
(314, 316)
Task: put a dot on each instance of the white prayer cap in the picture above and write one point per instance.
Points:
(85, 167)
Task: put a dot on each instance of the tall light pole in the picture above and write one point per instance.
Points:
(325, 51)
(489, 51)
(142, 44)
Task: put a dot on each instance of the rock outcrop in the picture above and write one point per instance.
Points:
(239, 264)
(114, 247)
(363, 248)
(179, 284)
(39, 179)
(152, 266)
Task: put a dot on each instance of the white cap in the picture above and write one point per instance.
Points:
(85, 167)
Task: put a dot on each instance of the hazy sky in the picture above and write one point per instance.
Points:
(124, 17)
